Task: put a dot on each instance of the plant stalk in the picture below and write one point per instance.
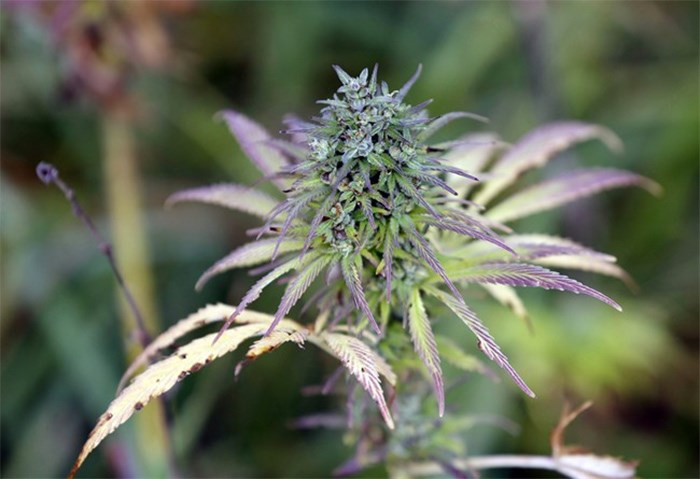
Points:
(124, 198)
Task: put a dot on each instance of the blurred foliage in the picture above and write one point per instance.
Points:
(630, 66)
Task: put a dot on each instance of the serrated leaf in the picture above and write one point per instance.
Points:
(471, 153)
(248, 255)
(528, 247)
(257, 289)
(574, 185)
(471, 229)
(520, 274)
(229, 195)
(536, 148)
(388, 257)
(253, 139)
(424, 344)
(361, 362)
(209, 314)
(274, 340)
(161, 377)
(590, 264)
(486, 343)
(298, 285)
(425, 251)
(351, 275)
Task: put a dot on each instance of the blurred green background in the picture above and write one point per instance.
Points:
(121, 98)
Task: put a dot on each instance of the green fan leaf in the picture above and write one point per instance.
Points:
(486, 343)
(424, 344)
(361, 362)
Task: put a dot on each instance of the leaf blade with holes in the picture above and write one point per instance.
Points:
(161, 377)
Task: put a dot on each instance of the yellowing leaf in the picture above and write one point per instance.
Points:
(274, 340)
(209, 314)
(160, 377)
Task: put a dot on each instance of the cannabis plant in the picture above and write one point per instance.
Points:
(398, 228)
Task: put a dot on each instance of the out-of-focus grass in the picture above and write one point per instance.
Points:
(630, 67)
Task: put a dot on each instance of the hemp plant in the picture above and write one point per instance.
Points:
(398, 227)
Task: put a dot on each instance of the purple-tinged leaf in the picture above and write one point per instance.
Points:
(253, 140)
(236, 197)
(538, 147)
(351, 274)
(559, 191)
(486, 343)
(528, 247)
(255, 291)
(426, 252)
(318, 217)
(248, 255)
(448, 224)
(453, 170)
(388, 256)
(443, 120)
(297, 207)
(298, 286)
(299, 127)
(293, 151)
(424, 344)
(411, 191)
(520, 274)
(590, 264)
(409, 84)
(360, 361)
(472, 153)
(419, 107)
(474, 219)
(292, 206)
(431, 180)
